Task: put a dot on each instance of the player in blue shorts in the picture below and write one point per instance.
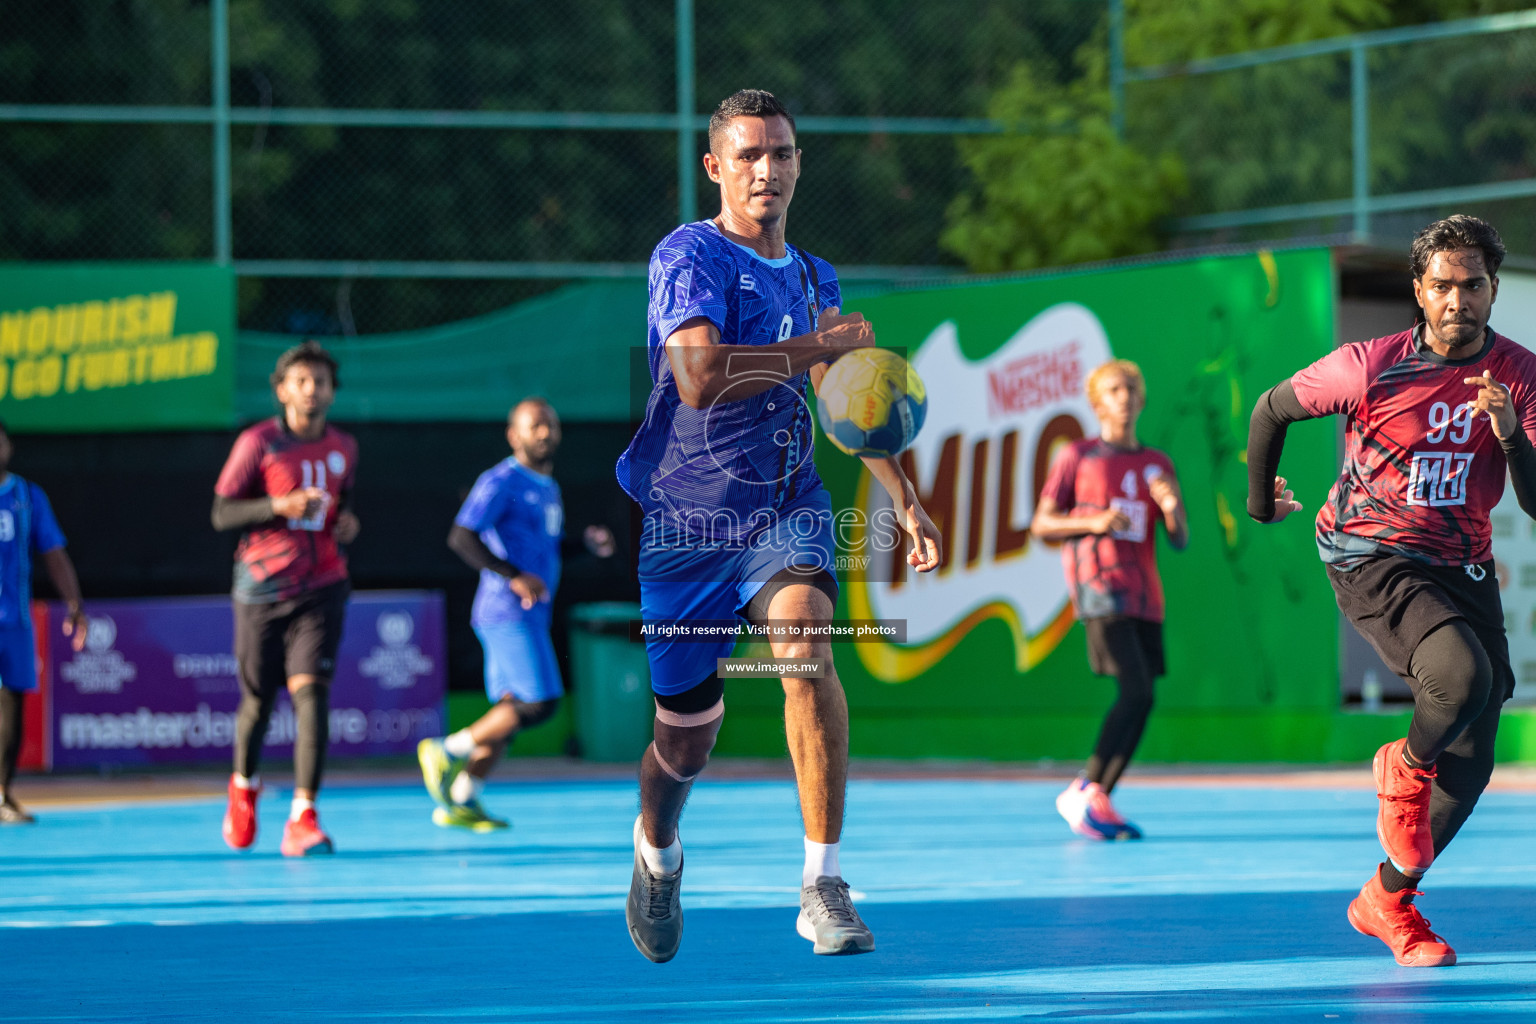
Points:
(510, 529)
(736, 523)
(27, 530)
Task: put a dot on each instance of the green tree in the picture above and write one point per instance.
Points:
(1060, 187)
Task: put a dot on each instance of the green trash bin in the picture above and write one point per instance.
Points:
(612, 683)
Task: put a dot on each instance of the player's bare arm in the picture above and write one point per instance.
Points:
(701, 365)
(299, 503)
(61, 570)
(1051, 524)
(348, 526)
(1164, 491)
(465, 543)
(529, 588)
(927, 545)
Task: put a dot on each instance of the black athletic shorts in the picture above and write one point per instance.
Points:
(1395, 602)
(296, 637)
(1117, 643)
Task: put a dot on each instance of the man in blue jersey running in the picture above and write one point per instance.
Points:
(28, 530)
(736, 523)
(510, 529)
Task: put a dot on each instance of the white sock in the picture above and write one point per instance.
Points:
(460, 744)
(300, 805)
(820, 861)
(665, 861)
(241, 782)
(465, 788)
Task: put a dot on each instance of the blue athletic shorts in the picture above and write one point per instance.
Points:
(18, 657)
(718, 582)
(519, 662)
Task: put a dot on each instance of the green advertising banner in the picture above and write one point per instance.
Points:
(993, 664)
(143, 346)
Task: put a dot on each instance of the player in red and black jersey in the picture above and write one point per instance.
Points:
(288, 486)
(1435, 416)
(1102, 500)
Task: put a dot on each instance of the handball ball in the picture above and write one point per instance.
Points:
(871, 402)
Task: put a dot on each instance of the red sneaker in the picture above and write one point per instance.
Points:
(240, 818)
(303, 838)
(1402, 822)
(1400, 925)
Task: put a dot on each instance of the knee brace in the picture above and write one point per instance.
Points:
(685, 731)
(536, 713)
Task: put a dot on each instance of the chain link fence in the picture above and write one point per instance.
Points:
(1369, 141)
(397, 163)
(511, 144)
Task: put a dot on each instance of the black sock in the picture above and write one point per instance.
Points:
(1412, 762)
(1394, 880)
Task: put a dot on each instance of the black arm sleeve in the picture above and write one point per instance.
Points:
(476, 555)
(1275, 410)
(1521, 455)
(239, 513)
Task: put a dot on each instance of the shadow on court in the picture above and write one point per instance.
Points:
(1228, 956)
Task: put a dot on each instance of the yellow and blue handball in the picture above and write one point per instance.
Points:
(871, 402)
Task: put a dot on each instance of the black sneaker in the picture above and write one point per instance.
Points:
(828, 919)
(653, 913)
(12, 813)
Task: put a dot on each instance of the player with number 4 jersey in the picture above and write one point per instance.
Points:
(1436, 415)
(1102, 502)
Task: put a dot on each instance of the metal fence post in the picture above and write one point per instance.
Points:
(687, 163)
(1117, 66)
(1360, 128)
(223, 247)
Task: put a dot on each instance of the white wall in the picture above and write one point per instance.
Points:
(1514, 534)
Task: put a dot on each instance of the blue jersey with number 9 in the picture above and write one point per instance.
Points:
(705, 473)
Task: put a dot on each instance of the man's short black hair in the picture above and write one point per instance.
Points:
(1458, 232)
(537, 400)
(311, 352)
(745, 103)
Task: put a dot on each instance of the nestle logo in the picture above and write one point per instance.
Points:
(1035, 380)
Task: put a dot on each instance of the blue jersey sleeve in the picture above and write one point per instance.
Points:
(828, 291)
(485, 504)
(46, 535)
(688, 281)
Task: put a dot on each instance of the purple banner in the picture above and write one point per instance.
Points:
(156, 683)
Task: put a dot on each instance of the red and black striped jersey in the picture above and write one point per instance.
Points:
(285, 557)
(1116, 573)
(1421, 472)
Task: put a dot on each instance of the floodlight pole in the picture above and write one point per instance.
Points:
(1360, 129)
(1117, 66)
(687, 160)
(223, 247)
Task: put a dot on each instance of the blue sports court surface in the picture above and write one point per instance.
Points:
(983, 905)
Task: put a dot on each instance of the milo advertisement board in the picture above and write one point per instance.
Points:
(88, 347)
(992, 662)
